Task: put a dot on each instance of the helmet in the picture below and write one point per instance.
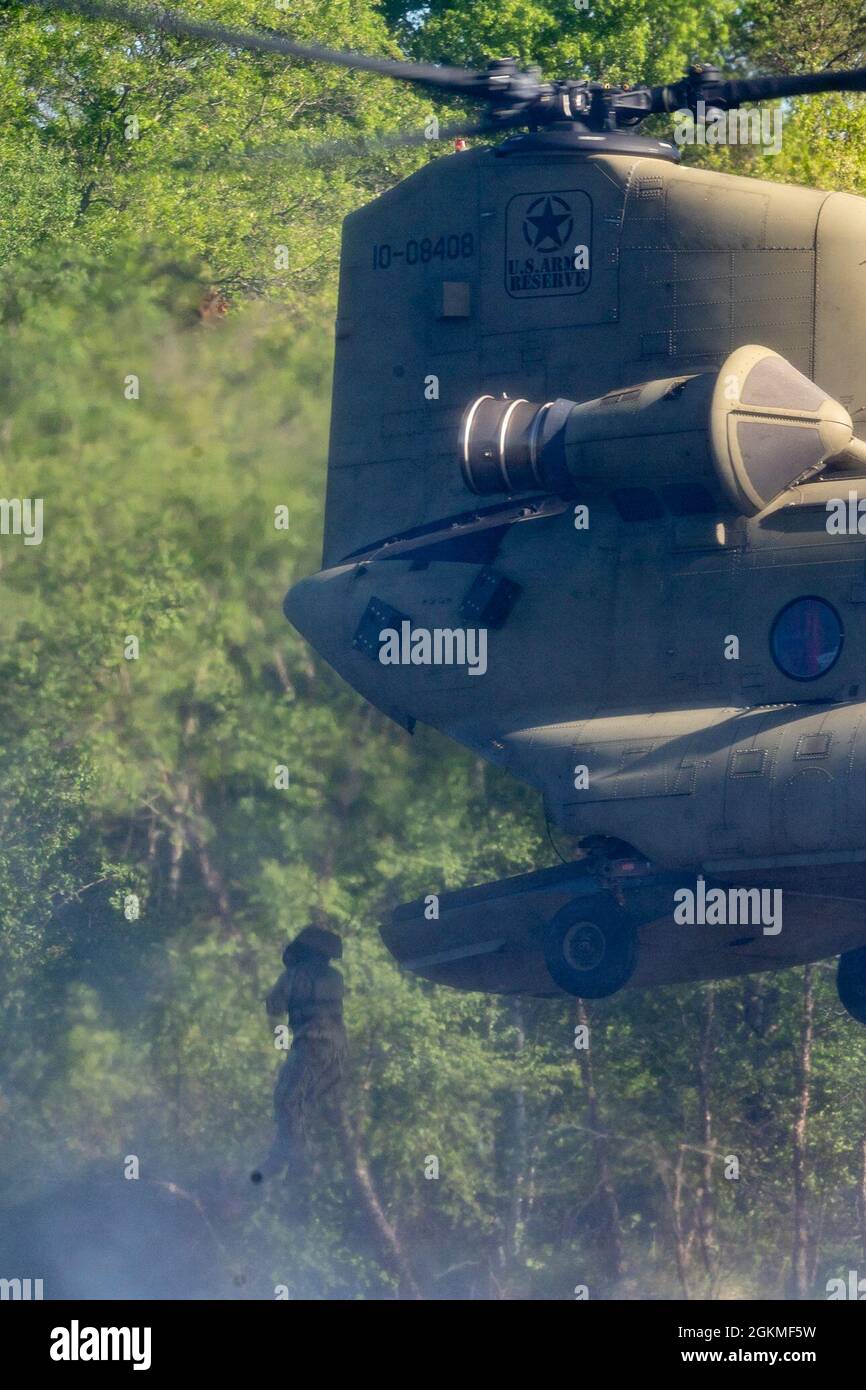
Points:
(317, 939)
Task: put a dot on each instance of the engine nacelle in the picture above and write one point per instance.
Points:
(744, 433)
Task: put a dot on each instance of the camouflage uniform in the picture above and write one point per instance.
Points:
(310, 991)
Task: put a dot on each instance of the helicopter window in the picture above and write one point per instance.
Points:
(637, 504)
(813, 746)
(748, 762)
(377, 615)
(490, 599)
(688, 499)
(806, 638)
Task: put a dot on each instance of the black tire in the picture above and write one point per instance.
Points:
(590, 949)
(851, 983)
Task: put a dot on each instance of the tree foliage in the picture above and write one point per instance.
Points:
(138, 1031)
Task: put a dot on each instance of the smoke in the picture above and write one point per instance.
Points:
(101, 1236)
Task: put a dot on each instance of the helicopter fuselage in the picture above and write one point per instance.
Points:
(634, 670)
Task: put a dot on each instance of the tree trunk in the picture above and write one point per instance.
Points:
(681, 1241)
(353, 1157)
(861, 1193)
(614, 1254)
(385, 1234)
(706, 1194)
(516, 1154)
(800, 1238)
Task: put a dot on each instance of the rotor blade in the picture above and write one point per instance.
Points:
(335, 149)
(171, 22)
(765, 88)
(730, 92)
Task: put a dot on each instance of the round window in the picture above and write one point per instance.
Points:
(807, 638)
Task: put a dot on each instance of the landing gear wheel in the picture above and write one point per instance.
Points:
(851, 983)
(590, 949)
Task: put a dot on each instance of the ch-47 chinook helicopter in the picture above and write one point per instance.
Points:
(578, 429)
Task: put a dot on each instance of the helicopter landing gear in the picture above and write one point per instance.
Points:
(590, 948)
(851, 983)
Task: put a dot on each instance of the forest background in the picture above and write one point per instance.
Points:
(138, 239)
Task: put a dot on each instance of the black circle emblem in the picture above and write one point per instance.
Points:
(806, 638)
(548, 224)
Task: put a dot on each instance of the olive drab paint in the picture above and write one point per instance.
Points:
(607, 644)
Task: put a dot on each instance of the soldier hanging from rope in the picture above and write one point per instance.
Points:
(310, 991)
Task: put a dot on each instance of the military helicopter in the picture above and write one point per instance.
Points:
(590, 514)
